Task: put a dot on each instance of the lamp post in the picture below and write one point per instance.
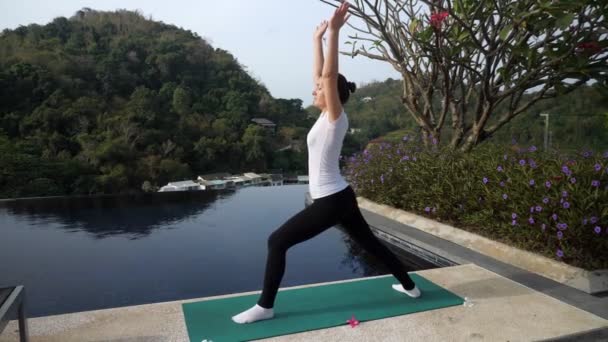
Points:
(546, 115)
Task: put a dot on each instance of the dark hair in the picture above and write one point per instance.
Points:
(345, 88)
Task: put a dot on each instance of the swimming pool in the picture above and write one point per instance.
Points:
(87, 253)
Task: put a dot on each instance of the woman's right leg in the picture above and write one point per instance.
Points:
(356, 226)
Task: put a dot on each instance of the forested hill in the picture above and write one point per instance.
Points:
(104, 102)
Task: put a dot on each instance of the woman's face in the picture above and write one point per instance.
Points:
(318, 96)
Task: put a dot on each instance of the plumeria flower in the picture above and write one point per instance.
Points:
(438, 18)
(353, 322)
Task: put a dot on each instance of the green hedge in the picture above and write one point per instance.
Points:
(549, 203)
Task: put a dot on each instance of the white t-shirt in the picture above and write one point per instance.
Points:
(324, 142)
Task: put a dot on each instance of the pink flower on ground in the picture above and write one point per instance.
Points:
(353, 322)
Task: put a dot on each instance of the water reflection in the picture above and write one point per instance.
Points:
(358, 260)
(102, 216)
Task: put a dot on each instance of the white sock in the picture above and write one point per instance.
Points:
(414, 293)
(256, 313)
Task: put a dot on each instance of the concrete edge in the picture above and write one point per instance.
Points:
(588, 281)
(546, 295)
(593, 335)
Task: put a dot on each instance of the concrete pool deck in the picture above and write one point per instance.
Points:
(498, 309)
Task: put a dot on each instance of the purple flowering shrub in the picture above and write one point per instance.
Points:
(548, 203)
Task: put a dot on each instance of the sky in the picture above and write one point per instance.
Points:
(271, 38)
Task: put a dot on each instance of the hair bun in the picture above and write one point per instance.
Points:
(352, 86)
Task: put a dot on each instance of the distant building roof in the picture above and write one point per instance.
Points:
(251, 175)
(263, 122)
(237, 178)
(183, 183)
(213, 176)
(216, 182)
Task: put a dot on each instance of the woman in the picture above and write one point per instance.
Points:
(334, 201)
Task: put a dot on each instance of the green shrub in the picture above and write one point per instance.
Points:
(549, 203)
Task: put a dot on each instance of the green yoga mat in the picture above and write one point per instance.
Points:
(312, 308)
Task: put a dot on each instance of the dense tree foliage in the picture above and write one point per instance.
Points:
(104, 102)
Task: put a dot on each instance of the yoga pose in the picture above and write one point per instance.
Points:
(334, 201)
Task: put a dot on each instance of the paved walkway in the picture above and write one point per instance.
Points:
(502, 310)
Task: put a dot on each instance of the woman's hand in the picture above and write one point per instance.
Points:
(320, 31)
(339, 17)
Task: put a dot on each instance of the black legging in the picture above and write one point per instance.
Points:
(325, 212)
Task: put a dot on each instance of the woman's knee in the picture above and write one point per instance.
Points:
(275, 241)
